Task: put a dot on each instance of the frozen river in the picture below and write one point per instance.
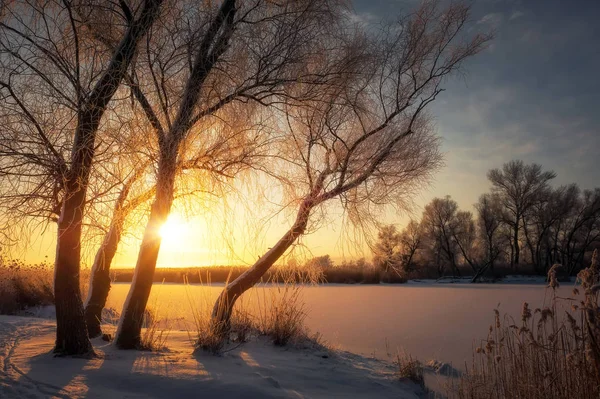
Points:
(426, 320)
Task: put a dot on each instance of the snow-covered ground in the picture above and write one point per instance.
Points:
(439, 324)
(254, 370)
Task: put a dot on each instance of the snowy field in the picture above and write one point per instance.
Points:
(256, 370)
(363, 323)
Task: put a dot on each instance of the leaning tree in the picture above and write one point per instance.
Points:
(367, 140)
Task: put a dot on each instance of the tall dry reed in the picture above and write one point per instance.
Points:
(551, 352)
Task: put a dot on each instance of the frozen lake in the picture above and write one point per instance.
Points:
(426, 320)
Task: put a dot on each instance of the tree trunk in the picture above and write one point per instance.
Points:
(224, 305)
(479, 273)
(71, 330)
(100, 279)
(516, 243)
(491, 256)
(128, 334)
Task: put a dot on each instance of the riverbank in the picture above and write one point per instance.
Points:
(256, 369)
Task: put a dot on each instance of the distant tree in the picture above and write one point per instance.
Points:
(544, 217)
(579, 231)
(519, 188)
(410, 240)
(386, 252)
(489, 217)
(440, 225)
(322, 262)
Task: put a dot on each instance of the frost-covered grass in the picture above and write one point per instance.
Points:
(543, 355)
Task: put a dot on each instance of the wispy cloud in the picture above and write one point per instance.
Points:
(516, 14)
(363, 18)
(492, 19)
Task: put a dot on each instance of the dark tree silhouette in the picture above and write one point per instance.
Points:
(520, 187)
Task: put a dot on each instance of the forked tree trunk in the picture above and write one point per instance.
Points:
(71, 330)
(223, 308)
(100, 277)
(128, 334)
(100, 280)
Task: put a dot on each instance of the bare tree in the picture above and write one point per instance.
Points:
(386, 255)
(367, 141)
(100, 275)
(520, 187)
(45, 44)
(490, 219)
(440, 224)
(545, 216)
(579, 230)
(411, 240)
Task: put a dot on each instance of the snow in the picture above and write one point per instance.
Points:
(254, 370)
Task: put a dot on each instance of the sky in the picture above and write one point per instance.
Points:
(533, 94)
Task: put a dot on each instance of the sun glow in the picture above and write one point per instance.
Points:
(174, 230)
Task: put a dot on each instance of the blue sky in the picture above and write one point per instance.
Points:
(534, 94)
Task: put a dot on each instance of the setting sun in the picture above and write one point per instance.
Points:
(174, 229)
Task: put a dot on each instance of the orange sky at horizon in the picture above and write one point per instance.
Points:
(207, 241)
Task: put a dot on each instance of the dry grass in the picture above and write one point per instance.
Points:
(275, 310)
(409, 368)
(157, 324)
(550, 353)
(26, 286)
(281, 312)
(156, 327)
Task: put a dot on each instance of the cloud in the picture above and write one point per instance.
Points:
(363, 18)
(493, 19)
(515, 15)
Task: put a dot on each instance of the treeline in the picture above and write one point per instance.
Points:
(523, 225)
(320, 270)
